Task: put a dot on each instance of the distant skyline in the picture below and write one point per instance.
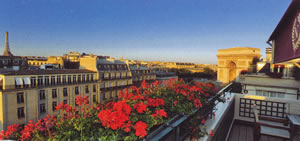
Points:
(150, 30)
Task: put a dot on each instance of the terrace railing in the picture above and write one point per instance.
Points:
(176, 128)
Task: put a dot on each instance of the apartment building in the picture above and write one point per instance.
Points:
(12, 63)
(140, 73)
(114, 75)
(32, 94)
(38, 61)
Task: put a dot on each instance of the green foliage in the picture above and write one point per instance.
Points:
(236, 87)
(188, 75)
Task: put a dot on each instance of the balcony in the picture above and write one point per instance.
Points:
(233, 120)
(44, 85)
(269, 108)
(116, 78)
(228, 116)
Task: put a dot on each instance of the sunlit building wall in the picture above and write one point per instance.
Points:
(115, 75)
(32, 94)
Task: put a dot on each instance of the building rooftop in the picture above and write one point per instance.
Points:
(11, 57)
(35, 72)
(239, 50)
(141, 67)
(110, 61)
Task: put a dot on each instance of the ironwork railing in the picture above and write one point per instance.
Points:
(176, 130)
(222, 130)
(265, 108)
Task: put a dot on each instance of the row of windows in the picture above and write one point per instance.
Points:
(106, 96)
(42, 107)
(37, 63)
(270, 94)
(45, 80)
(112, 67)
(20, 96)
(141, 71)
(61, 80)
(113, 84)
(114, 76)
(15, 62)
(143, 78)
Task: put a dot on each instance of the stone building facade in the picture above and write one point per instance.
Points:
(141, 73)
(114, 75)
(232, 61)
(39, 61)
(32, 94)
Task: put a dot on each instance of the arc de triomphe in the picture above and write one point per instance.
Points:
(232, 61)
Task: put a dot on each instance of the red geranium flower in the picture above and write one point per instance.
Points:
(145, 85)
(60, 106)
(203, 121)
(140, 107)
(197, 103)
(2, 135)
(140, 129)
(175, 102)
(122, 106)
(162, 113)
(116, 117)
(160, 101)
(28, 130)
(156, 83)
(211, 133)
(156, 102)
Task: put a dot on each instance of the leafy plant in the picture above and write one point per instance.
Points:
(236, 87)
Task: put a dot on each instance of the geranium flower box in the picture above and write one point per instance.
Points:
(151, 110)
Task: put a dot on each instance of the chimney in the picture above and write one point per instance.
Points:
(6, 50)
(269, 54)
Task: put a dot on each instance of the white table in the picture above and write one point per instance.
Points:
(294, 121)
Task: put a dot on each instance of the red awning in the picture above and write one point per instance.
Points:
(286, 35)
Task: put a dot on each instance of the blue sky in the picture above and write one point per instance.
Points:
(164, 30)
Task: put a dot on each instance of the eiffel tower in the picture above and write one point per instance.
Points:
(7, 50)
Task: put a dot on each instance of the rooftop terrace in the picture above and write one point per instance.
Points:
(233, 120)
